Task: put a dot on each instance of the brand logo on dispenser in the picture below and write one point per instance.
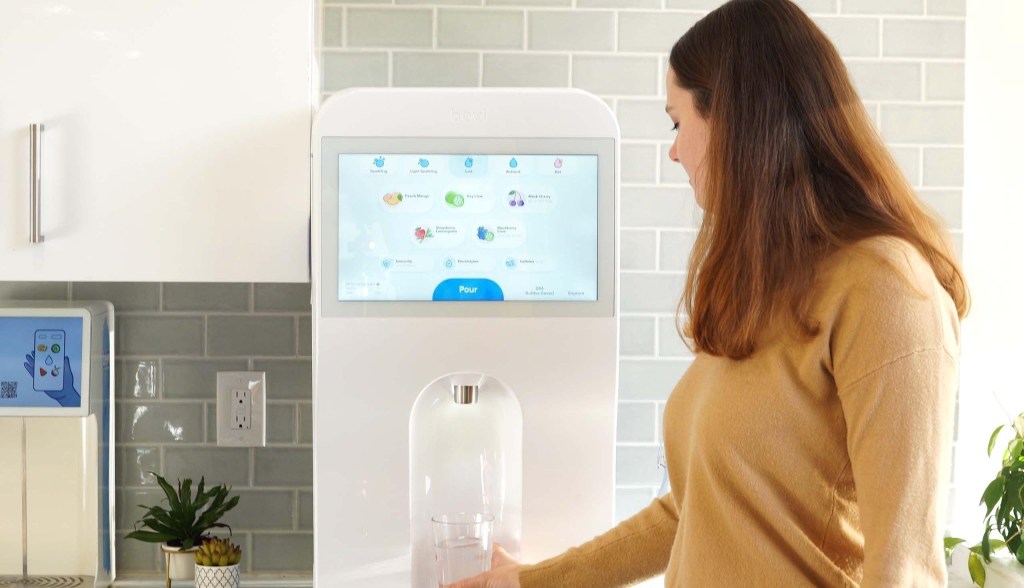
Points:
(468, 116)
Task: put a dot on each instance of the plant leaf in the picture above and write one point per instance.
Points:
(150, 537)
(949, 543)
(172, 497)
(992, 439)
(1020, 553)
(977, 569)
(991, 495)
(986, 546)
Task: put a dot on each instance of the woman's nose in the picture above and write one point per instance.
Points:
(672, 153)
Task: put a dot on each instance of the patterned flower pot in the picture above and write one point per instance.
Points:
(180, 564)
(217, 577)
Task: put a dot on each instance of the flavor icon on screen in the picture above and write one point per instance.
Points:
(484, 234)
(558, 163)
(454, 199)
(393, 198)
(515, 198)
(378, 162)
(423, 233)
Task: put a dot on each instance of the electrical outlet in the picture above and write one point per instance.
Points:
(241, 406)
(241, 409)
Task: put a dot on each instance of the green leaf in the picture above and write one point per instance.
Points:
(1020, 553)
(172, 498)
(992, 439)
(991, 495)
(150, 537)
(986, 546)
(949, 543)
(977, 569)
(1013, 451)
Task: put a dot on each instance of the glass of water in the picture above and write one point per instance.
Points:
(462, 545)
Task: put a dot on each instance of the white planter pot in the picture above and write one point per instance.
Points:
(217, 577)
(181, 564)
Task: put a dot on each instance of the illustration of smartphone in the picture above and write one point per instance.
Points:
(49, 352)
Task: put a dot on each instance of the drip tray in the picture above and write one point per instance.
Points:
(46, 581)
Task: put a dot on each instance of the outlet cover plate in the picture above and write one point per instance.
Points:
(229, 434)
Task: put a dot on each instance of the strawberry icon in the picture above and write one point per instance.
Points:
(423, 233)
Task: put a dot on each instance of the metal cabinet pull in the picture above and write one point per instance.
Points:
(35, 157)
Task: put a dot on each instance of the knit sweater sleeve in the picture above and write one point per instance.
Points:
(636, 549)
(894, 354)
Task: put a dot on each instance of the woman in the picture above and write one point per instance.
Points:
(809, 442)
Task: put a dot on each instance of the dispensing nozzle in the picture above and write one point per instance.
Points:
(465, 394)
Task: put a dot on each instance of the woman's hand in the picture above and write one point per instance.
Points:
(504, 573)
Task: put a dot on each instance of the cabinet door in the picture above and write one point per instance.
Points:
(176, 141)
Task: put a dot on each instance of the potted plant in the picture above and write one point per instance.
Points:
(180, 527)
(1004, 516)
(217, 564)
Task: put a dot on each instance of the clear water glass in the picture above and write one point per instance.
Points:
(462, 545)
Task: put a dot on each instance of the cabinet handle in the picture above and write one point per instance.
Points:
(35, 163)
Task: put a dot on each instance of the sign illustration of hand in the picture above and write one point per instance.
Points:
(67, 395)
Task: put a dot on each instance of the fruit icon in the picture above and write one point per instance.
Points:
(42, 372)
(41, 348)
(483, 234)
(392, 198)
(558, 163)
(379, 162)
(516, 198)
(423, 162)
(423, 233)
(469, 162)
(55, 348)
(454, 199)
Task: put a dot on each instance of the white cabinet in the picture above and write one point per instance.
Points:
(176, 141)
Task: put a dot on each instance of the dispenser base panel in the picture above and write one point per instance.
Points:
(46, 581)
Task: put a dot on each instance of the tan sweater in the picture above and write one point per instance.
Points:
(819, 462)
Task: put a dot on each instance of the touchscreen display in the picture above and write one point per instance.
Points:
(40, 362)
(467, 227)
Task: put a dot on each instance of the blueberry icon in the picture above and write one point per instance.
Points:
(379, 162)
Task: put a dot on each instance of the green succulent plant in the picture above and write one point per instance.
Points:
(187, 517)
(218, 553)
(1004, 503)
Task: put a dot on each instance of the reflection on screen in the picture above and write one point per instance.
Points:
(468, 227)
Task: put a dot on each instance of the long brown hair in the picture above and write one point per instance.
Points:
(794, 170)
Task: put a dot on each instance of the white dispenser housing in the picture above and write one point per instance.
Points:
(461, 237)
(57, 443)
(465, 455)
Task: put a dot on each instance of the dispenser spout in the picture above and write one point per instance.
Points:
(465, 394)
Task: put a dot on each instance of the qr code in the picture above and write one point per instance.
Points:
(8, 389)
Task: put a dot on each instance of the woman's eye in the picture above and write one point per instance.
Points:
(675, 127)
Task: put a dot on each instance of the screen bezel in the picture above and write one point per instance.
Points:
(332, 147)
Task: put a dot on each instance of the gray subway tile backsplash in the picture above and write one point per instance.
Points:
(196, 378)
(207, 297)
(125, 296)
(159, 335)
(251, 335)
(280, 466)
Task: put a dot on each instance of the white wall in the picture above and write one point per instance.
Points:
(993, 334)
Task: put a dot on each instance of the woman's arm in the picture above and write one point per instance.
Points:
(894, 357)
(636, 549)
